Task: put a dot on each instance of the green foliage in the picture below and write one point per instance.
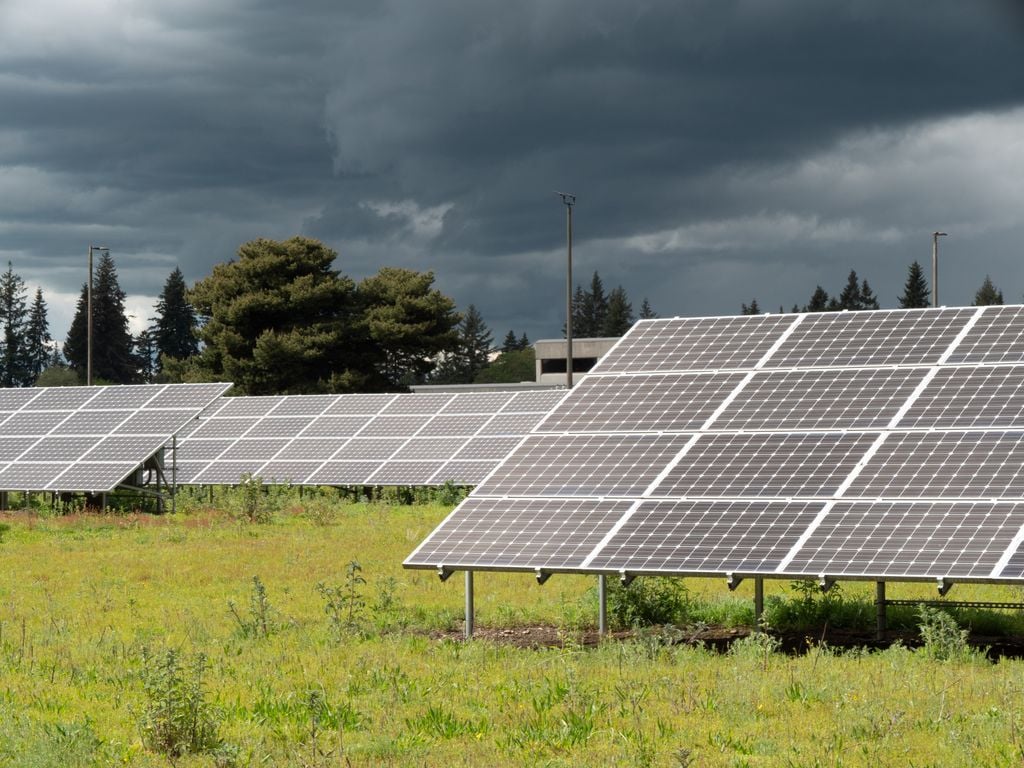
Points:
(987, 294)
(113, 355)
(819, 301)
(646, 312)
(510, 368)
(14, 363)
(450, 494)
(648, 600)
(252, 502)
(261, 620)
(278, 319)
(177, 719)
(175, 332)
(407, 323)
(813, 608)
(58, 376)
(916, 294)
(942, 637)
(38, 342)
(469, 355)
(619, 318)
(345, 604)
(751, 309)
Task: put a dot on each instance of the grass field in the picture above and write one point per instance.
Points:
(307, 666)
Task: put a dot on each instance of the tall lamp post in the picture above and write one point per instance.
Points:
(88, 315)
(935, 267)
(570, 201)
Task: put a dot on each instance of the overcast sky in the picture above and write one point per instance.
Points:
(720, 150)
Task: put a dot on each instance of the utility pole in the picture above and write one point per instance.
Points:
(570, 201)
(935, 267)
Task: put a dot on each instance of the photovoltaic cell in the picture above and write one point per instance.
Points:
(707, 536)
(997, 337)
(519, 533)
(970, 397)
(693, 344)
(912, 539)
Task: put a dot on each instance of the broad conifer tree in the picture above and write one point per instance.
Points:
(14, 369)
(175, 326)
(39, 349)
(113, 354)
(916, 294)
(987, 294)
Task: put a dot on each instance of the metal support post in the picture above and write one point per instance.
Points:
(758, 602)
(469, 605)
(602, 604)
(880, 618)
(569, 201)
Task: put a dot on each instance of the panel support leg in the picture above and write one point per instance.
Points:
(602, 605)
(3, 500)
(469, 605)
(880, 618)
(758, 602)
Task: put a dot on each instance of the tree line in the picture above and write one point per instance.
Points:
(858, 295)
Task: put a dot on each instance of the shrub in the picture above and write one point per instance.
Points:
(252, 504)
(177, 719)
(647, 601)
(345, 604)
(261, 621)
(943, 638)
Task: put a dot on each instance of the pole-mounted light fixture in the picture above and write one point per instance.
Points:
(569, 201)
(935, 266)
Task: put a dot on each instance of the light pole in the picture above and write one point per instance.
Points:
(570, 201)
(935, 267)
(88, 315)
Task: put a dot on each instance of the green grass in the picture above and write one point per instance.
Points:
(89, 603)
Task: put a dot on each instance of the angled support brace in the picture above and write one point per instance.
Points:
(825, 583)
(943, 586)
(542, 575)
(625, 579)
(732, 581)
(444, 573)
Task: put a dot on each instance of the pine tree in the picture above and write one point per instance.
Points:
(14, 369)
(646, 313)
(113, 357)
(868, 299)
(39, 349)
(851, 298)
(819, 301)
(470, 355)
(619, 316)
(581, 314)
(174, 332)
(987, 294)
(915, 291)
(146, 352)
(524, 342)
(511, 343)
(596, 306)
(752, 309)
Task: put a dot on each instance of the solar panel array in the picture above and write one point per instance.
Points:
(90, 438)
(870, 445)
(383, 439)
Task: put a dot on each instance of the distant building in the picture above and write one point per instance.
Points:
(551, 357)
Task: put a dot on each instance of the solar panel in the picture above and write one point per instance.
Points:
(90, 438)
(377, 439)
(865, 445)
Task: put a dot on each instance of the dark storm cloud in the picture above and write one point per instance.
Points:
(719, 149)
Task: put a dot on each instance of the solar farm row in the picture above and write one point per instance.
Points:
(863, 445)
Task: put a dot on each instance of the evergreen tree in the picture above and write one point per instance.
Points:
(646, 313)
(174, 332)
(619, 315)
(14, 367)
(851, 298)
(915, 291)
(581, 328)
(868, 299)
(987, 294)
(146, 352)
(596, 306)
(39, 349)
(511, 343)
(796, 308)
(113, 357)
(510, 368)
(281, 320)
(752, 309)
(524, 342)
(819, 301)
(407, 322)
(470, 355)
